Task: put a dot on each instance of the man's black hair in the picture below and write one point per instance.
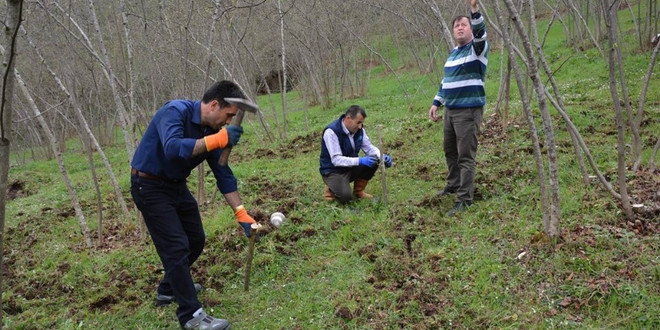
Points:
(353, 111)
(221, 89)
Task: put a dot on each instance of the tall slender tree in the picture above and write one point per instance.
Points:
(12, 22)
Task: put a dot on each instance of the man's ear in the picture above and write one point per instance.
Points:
(216, 105)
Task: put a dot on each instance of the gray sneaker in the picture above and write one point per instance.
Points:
(164, 300)
(206, 322)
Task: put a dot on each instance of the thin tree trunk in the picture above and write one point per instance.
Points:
(634, 128)
(586, 27)
(83, 126)
(544, 63)
(552, 228)
(527, 109)
(130, 120)
(556, 13)
(642, 97)
(610, 21)
(635, 24)
(608, 186)
(268, 91)
(105, 65)
(60, 160)
(283, 75)
(654, 154)
(13, 18)
(446, 31)
(403, 87)
(201, 191)
(128, 138)
(99, 202)
(547, 29)
(503, 95)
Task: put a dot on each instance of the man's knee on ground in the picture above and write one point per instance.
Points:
(344, 195)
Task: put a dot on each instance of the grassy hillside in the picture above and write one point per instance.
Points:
(368, 265)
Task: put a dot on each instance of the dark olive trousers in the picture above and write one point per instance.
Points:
(340, 183)
(461, 128)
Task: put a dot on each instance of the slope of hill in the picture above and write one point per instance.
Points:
(368, 265)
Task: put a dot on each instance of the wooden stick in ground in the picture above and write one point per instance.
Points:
(254, 229)
(382, 164)
(243, 106)
(238, 120)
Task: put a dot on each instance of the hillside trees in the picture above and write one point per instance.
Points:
(607, 12)
(120, 61)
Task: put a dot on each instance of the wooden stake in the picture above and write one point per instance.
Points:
(382, 164)
(248, 262)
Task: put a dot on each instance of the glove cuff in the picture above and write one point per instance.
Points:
(242, 216)
(217, 140)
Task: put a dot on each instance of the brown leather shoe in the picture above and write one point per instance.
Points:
(358, 189)
(328, 194)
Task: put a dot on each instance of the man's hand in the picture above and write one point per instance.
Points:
(244, 219)
(474, 4)
(234, 132)
(227, 136)
(433, 113)
(368, 161)
(387, 160)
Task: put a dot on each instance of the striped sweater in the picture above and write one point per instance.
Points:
(465, 71)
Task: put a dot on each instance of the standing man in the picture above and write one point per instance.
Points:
(182, 134)
(463, 96)
(340, 165)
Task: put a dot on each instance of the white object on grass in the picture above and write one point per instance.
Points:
(277, 218)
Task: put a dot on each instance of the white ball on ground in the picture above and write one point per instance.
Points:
(277, 218)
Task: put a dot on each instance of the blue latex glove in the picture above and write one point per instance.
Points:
(368, 161)
(388, 160)
(234, 133)
(246, 228)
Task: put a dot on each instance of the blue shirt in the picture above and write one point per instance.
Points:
(167, 145)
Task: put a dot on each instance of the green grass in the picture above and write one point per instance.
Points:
(367, 265)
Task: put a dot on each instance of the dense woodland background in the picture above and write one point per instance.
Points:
(95, 71)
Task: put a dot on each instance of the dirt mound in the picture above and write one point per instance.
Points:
(16, 190)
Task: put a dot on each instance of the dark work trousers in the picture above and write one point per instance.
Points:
(461, 128)
(172, 217)
(339, 183)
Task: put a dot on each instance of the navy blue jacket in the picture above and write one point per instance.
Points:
(344, 143)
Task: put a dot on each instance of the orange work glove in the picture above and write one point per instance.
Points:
(217, 140)
(244, 219)
(227, 136)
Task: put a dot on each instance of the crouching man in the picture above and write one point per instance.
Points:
(340, 163)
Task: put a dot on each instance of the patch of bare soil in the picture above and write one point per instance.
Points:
(229, 249)
(284, 192)
(493, 131)
(394, 145)
(644, 189)
(424, 173)
(16, 190)
(301, 145)
(430, 202)
(416, 279)
(117, 235)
